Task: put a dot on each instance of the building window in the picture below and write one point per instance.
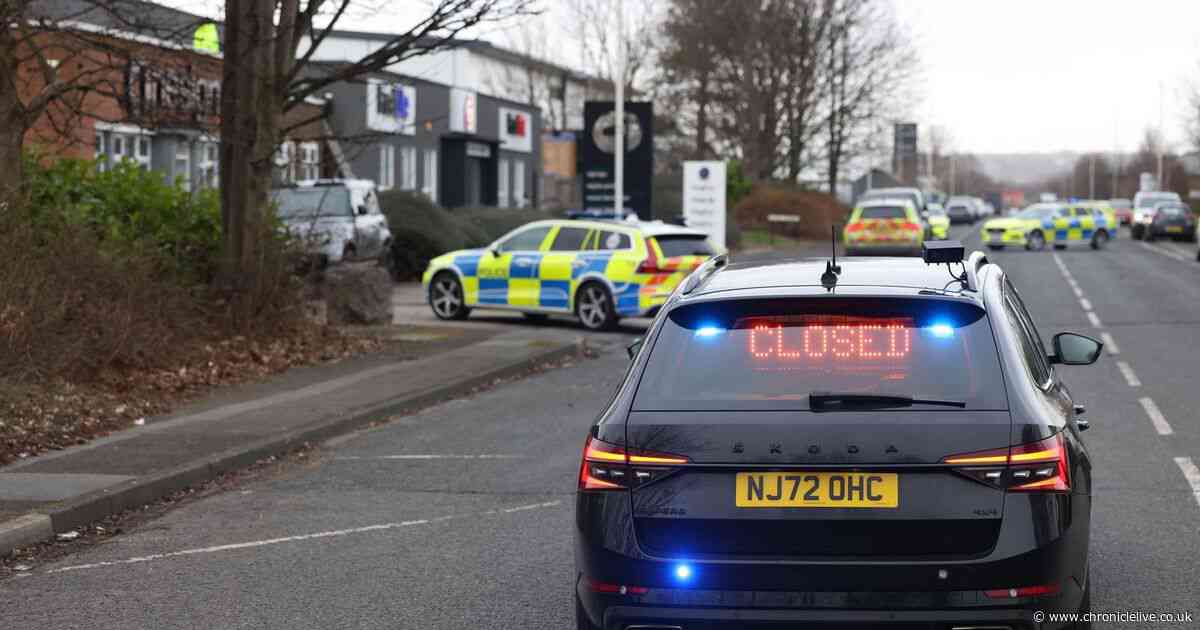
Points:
(119, 146)
(385, 99)
(101, 154)
(142, 155)
(210, 174)
(387, 166)
(285, 161)
(408, 164)
(518, 183)
(310, 160)
(502, 185)
(431, 174)
(183, 164)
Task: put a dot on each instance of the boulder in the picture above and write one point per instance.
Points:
(352, 293)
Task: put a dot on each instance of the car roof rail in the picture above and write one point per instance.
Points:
(706, 271)
(976, 261)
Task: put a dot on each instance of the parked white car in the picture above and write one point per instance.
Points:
(338, 219)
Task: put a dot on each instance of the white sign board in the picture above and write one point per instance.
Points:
(516, 130)
(391, 107)
(783, 218)
(704, 199)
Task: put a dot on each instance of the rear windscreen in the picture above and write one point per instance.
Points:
(883, 212)
(1149, 201)
(684, 245)
(771, 354)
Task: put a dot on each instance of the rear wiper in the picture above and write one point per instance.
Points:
(832, 401)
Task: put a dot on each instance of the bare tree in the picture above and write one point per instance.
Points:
(531, 78)
(590, 23)
(869, 63)
(273, 42)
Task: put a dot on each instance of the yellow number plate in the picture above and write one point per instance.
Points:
(817, 489)
(1174, 228)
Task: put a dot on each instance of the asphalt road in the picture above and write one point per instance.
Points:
(460, 516)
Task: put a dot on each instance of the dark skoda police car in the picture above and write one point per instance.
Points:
(889, 446)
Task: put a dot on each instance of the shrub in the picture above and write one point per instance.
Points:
(493, 223)
(422, 230)
(416, 213)
(69, 308)
(817, 210)
(129, 211)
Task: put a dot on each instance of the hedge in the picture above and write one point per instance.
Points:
(422, 230)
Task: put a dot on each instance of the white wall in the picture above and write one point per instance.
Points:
(464, 69)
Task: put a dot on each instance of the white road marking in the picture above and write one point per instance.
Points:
(429, 456)
(1191, 473)
(1164, 252)
(1085, 303)
(301, 537)
(1110, 344)
(1094, 320)
(1077, 290)
(1156, 417)
(1127, 372)
(1181, 249)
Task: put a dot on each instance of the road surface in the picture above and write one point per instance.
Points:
(461, 516)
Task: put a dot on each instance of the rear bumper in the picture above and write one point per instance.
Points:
(905, 248)
(623, 617)
(1009, 237)
(1043, 540)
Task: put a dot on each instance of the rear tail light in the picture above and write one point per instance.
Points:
(597, 586)
(1040, 466)
(911, 227)
(611, 467)
(1043, 590)
(650, 263)
(855, 227)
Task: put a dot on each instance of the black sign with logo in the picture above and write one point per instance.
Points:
(596, 153)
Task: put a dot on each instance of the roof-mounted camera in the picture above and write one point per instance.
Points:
(938, 252)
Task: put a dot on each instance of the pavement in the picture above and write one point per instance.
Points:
(61, 491)
(461, 515)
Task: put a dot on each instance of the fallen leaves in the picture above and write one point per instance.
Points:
(56, 414)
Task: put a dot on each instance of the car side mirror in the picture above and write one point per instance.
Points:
(1075, 349)
(633, 348)
(362, 210)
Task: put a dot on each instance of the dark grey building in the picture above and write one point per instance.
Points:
(458, 147)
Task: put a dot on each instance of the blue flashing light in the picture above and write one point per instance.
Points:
(709, 331)
(683, 572)
(941, 331)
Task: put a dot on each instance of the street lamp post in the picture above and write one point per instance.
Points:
(619, 141)
(1092, 176)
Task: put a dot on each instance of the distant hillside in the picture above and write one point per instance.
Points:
(1023, 168)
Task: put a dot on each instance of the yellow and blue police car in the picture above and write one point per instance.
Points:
(599, 270)
(1058, 224)
(889, 226)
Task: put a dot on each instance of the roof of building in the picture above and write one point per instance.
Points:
(139, 17)
(487, 49)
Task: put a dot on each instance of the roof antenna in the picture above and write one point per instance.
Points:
(832, 269)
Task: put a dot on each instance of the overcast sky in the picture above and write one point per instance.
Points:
(1049, 75)
(1001, 75)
